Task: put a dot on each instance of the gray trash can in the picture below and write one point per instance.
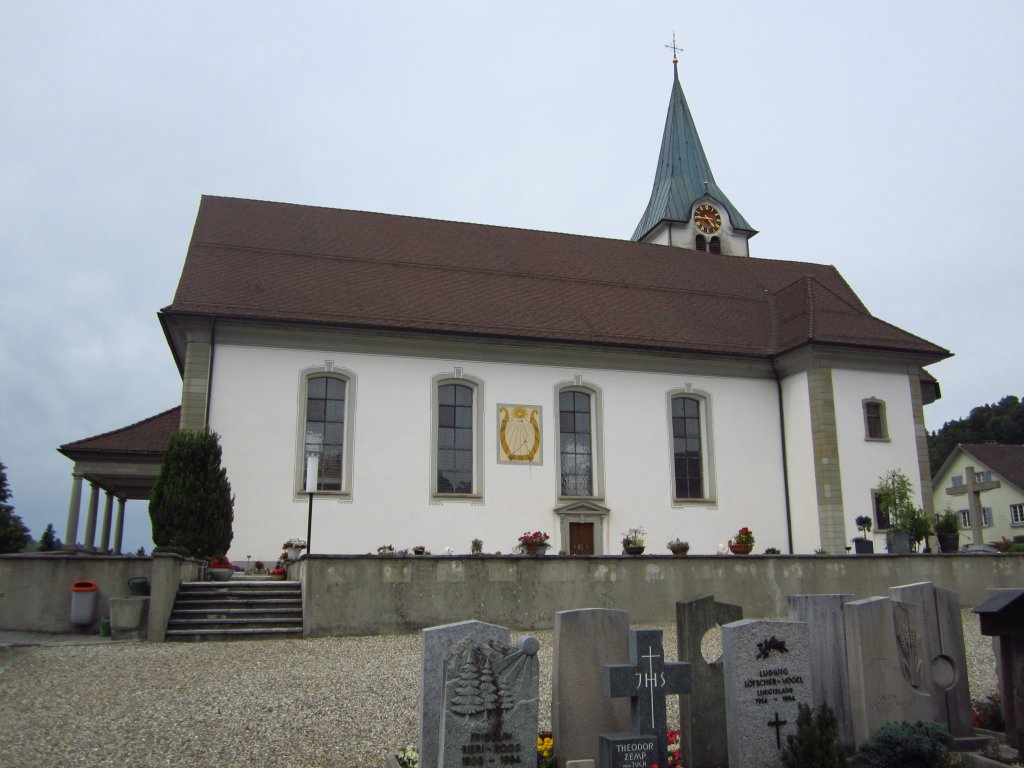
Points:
(83, 603)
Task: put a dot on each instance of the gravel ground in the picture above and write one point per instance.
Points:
(339, 702)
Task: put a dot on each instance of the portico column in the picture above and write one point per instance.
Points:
(108, 510)
(119, 526)
(89, 542)
(74, 508)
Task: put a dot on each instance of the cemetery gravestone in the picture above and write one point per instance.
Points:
(1002, 617)
(830, 682)
(490, 705)
(646, 680)
(943, 657)
(702, 713)
(437, 644)
(767, 674)
(585, 641)
(884, 665)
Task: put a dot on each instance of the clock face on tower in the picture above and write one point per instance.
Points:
(707, 218)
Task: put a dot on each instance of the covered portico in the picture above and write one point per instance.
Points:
(122, 464)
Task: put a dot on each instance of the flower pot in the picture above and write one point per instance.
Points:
(897, 542)
(864, 546)
(741, 549)
(277, 576)
(948, 542)
(537, 550)
(293, 552)
(221, 574)
(680, 552)
(634, 550)
(419, 550)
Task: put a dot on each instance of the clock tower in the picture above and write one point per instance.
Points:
(687, 208)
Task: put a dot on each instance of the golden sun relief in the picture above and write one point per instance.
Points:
(519, 434)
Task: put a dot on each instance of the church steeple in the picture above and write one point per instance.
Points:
(687, 207)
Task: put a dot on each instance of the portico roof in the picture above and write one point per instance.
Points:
(125, 461)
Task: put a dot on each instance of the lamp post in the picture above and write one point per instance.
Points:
(312, 470)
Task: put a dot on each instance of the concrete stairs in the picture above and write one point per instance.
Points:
(238, 609)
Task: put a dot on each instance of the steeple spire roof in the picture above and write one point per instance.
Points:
(684, 175)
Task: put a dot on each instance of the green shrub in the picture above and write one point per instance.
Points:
(191, 505)
(816, 743)
(905, 745)
(1017, 547)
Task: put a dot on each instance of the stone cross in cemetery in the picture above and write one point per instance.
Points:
(437, 644)
(830, 681)
(490, 704)
(972, 488)
(944, 660)
(585, 641)
(646, 680)
(767, 675)
(702, 713)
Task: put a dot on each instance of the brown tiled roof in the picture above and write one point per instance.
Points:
(258, 260)
(147, 437)
(1006, 460)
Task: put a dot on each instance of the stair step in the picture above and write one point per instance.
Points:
(291, 622)
(237, 611)
(232, 634)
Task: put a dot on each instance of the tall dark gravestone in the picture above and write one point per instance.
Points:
(645, 680)
(1002, 616)
(702, 713)
(585, 641)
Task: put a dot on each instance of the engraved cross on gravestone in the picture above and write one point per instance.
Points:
(647, 679)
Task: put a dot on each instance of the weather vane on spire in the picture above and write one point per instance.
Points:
(675, 49)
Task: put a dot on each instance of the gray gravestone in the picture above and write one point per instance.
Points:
(767, 674)
(437, 643)
(646, 680)
(628, 750)
(830, 681)
(883, 664)
(945, 661)
(702, 713)
(490, 704)
(585, 641)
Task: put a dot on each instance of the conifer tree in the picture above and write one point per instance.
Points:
(49, 542)
(191, 507)
(13, 533)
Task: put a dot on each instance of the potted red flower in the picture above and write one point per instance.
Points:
(221, 568)
(535, 543)
(742, 543)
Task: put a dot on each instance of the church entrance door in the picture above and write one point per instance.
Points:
(581, 538)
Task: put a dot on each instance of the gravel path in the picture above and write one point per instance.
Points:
(339, 702)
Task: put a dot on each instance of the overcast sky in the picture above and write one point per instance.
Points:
(880, 137)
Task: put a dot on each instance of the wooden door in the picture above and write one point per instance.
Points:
(581, 538)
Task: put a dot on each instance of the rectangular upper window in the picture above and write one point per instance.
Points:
(875, 427)
(1017, 514)
(965, 517)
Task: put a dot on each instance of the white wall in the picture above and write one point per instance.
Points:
(254, 407)
(864, 461)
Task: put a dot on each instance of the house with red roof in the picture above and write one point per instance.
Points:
(425, 382)
(1002, 507)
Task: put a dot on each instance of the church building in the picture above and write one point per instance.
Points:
(446, 381)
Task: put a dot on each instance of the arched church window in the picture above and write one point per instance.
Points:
(454, 438)
(687, 456)
(325, 428)
(715, 246)
(576, 445)
(702, 244)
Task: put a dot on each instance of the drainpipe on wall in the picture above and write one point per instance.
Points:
(785, 461)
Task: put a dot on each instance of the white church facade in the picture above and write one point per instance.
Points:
(458, 381)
